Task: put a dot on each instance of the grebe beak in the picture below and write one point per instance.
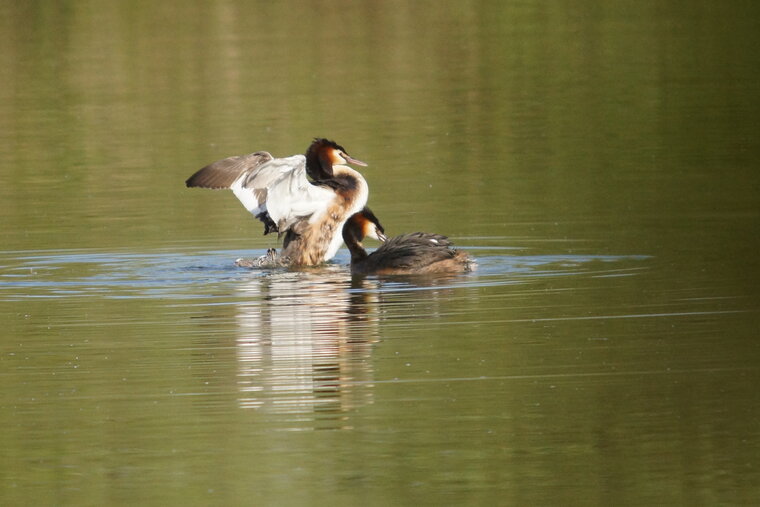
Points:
(381, 237)
(352, 160)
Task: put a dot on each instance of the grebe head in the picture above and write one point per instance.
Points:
(323, 154)
(365, 225)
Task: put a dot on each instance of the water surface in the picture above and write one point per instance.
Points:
(598, 161)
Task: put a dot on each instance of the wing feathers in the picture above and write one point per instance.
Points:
(275, 191)
(278, 192)
(223, 173)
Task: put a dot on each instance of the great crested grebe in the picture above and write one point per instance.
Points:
(276, 191)
(407, 254)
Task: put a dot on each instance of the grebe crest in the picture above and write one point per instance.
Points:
(322, 155)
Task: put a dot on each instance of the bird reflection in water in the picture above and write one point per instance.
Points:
(304, 343)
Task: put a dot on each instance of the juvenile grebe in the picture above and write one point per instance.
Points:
(276, 191)
(407, 254)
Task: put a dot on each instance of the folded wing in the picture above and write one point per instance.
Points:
(415, 251)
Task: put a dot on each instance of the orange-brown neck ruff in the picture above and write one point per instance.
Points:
(321, 156)
(354, 230)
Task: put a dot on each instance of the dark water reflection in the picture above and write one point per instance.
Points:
(599, 161)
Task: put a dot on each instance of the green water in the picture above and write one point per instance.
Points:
(599, 160)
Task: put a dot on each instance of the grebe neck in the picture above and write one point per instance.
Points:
(317, 166)
(352, 188)
(358, 253)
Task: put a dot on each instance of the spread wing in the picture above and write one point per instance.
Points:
(223, 173)
(279, 194)
(276, 191)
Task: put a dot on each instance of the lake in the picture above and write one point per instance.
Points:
(600, 161)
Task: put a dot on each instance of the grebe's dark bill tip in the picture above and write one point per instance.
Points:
(352, 160)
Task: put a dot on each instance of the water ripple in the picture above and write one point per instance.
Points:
(184, 275)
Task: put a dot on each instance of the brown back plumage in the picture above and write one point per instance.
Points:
(413, 251)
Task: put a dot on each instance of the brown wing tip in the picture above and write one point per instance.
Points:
(223, 173)
(208, 178)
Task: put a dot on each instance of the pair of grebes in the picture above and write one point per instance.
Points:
(316, 214)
